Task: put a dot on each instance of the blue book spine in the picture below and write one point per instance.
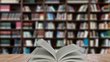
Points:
(86, 42)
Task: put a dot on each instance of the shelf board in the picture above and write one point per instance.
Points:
(10, 21)
(36, 3)
(10, 46)
(9, 3)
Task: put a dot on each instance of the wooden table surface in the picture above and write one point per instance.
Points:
(24, 58)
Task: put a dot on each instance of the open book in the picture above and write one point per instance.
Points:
(45, 53)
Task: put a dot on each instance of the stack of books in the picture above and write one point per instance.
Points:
(5, 25)
(16, 34)
(52, 1)
(82, 34)
(5, 34)
(50, 26)
(5, 42)
(5, 8)
(104, 25)
(70, 35)
(48, 34)
(36, 16)
(10, 16)
(26, 9)
(27, 34)
(61, 26)
(60, 34)
(84, 25)
(93, 34)
(27, 25)
(9, 1)
(71, 26)
(39, 25)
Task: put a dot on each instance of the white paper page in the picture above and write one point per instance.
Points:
(66, 50)
(74, 55)
(47, 47)
(41, 54)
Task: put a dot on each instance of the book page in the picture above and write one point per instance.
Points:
(42, 55)
(67, 50)
(47, 47)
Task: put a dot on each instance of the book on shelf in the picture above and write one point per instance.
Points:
(61, 26)
(105, 51)
(86, 42)
(70, 8)
(81, 1)
(40, 33)
(26, 9)
(105, 34)
(80, 43)
(39, 25)
(105, 8)
(60, 34)
(50, 8)
(94, 43)
(61, 8)
(28, 43)
(84, 25)
(39, 8)
(17, 42)
(36, 16)
(61, 16)
(69, 17)
(5, 34)
(5, 25)
(49, 34)
(106, 43)
(70, 35)
(93, 25)
(18, 25)
(5, 42)
(93, 34)
(9, 1)
(105, 16)
(85, 17)
(60, 43)
(95, 8)
(83, 8)
(5, 8)
(69, 42)
(27, 34)
(10, 16)
(26, 50)
(50, 16)
(104, 25)
(5, 51)
(82, 34)
(16, 34)
(16, 50)
(68, 53)
(27, 25)
(50, 26)
(26, 17)
(107, 1)
(71, 25)
(29, 1)
(52, 1)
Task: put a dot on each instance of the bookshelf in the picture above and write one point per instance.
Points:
(59, 22)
